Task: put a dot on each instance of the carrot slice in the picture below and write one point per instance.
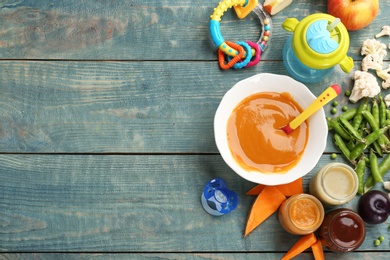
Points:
(301, 245)
(318, 251)
(266, 203)
(292, 188)
(256, 190)
(287, 189)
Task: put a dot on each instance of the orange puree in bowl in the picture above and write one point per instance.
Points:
(254, 133)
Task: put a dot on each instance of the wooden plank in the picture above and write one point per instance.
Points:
(119, 107)
(97, 203)
(194, 256)
(140, 30)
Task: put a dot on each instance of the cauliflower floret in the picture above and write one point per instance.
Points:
(365, 85)
(372, 46)
(372, 61)
(385, 75)
(387, 100)
(385, 31)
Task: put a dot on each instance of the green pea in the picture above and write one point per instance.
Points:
(335, 103)
(377, 242)
(374, 167)
(333, 110)
(375, 110)
(333, 124)
(382, 111)
(357, 151)
(360, 169)
(333, 156)
(349, 114)
(347, 93)
(340, 144)
(357, 120)
(349, 128)
(345, 108)
(381, 238)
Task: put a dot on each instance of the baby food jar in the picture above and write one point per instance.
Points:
(335, 184)
(343, 230)
(301, 214)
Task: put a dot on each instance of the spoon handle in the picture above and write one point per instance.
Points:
(326, 96)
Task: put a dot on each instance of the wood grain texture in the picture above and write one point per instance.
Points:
(79, 203)
(140, 30)
(120, 107)
(194, 256)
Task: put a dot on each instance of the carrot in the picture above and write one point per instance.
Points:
(318, 252)
(256, 190)
(291, 188)
(288, 189)
(266, 203)
(301, 245)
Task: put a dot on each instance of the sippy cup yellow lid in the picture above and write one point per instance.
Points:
(319, 42)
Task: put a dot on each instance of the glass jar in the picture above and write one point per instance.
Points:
(301, 214)
(335, 184)
(343, 230)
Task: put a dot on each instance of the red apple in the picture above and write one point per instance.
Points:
(354, 14)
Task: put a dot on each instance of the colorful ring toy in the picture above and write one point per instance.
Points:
(242, 9)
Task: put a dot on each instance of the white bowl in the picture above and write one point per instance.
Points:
(265, 82)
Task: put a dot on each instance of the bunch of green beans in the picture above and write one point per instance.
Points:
(362, 135)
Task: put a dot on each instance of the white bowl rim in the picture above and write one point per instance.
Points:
(316, 143)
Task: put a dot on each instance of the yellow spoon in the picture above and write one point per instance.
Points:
(326, 96)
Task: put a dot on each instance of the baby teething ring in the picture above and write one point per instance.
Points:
(234, 60)
(241, 7)
(256, 57)
(248, 51)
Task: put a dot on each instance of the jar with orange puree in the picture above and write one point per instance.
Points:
(301, 214)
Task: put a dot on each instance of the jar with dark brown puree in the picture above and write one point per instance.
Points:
(343, 230)
(255, 137)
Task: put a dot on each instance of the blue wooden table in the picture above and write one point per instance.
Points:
(106, 130)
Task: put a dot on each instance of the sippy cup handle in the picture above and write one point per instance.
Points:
(346, 64)
(289, 24)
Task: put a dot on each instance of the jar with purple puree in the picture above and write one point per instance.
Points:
(343, 230)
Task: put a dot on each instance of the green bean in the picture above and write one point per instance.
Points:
(340, 144)
(377, 148)
(387, 114)
(374, 167)
(384, 167)
(383, 140)
(358, 116)
(349, 128)
(360, 169)
(357, 151)
(373, 136)
(375, 110)
(349, 114)
(350, 144)
(339, 130)
(370, 119)
(382, 111)
(368, 140)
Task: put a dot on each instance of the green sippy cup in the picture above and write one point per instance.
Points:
(319, 42)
